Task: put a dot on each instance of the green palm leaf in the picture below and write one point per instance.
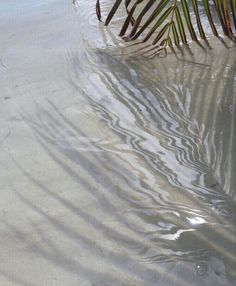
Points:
(169, 23)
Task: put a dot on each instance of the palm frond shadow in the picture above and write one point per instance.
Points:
(194, 139)
(130, 184)
(134, 242)
(49, 251)
(48, 137)
(178, 85)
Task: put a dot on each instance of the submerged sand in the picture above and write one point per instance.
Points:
(73, 189)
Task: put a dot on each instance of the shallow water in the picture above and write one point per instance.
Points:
(117, 169)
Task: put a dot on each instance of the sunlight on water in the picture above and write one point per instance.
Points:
(130, 175)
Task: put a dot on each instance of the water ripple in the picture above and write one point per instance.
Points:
(170, 129)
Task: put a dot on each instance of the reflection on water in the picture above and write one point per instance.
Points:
(174, 138)
(176, 130)
(155, 158)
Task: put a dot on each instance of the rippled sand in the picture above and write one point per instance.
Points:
(116, 169)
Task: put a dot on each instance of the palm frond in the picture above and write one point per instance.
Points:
(173, 23)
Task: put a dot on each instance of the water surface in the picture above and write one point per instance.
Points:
(118, 169)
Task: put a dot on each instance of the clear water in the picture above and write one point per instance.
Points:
(119, 168)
